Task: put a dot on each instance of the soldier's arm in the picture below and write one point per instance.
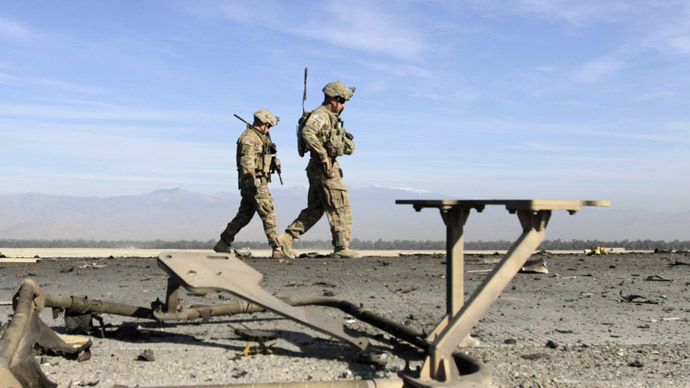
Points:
(311, 140)
(247, 168)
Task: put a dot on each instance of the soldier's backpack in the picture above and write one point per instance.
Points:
(301, 147)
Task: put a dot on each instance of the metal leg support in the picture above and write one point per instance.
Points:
(172, 296)
(439, 366)
(455, 219)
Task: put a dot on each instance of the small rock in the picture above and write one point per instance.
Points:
(146, 355)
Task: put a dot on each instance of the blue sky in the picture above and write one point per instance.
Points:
(472, 99)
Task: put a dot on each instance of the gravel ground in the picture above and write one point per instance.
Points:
(571, 327)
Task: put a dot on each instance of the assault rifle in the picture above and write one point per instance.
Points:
(272, 149)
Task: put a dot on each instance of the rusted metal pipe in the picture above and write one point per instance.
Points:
(375, 383)
(385, 324)
(81, 305)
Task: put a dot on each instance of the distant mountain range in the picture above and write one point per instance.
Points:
(178, 214)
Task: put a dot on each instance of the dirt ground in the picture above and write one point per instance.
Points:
(618, 320)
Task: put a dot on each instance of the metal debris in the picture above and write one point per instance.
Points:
(256, 335)
(596, 251)
(657, 278)
(632, 298)
(537, 265)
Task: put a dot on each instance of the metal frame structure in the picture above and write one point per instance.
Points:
(211, 272)
(440, 367)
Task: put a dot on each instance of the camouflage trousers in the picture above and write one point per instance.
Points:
(260, 202)
(327, 194)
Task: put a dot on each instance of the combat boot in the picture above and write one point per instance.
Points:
(345, 253)
(285, 241)
(222, 247)
(279, 254)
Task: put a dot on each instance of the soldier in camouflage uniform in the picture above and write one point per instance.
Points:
(322, 135)
(254, 158)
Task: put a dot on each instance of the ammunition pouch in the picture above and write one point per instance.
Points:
(335, 146)
(349, 145)
(265, 167)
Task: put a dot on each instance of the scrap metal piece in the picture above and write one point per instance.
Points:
(17, 361)
(256, 335)
(209, 272)
(537, 265)
(18, 366)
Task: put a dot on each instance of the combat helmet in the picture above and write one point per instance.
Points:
(338, 89)
(266, 117)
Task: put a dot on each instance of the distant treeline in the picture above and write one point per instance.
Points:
(355, 244)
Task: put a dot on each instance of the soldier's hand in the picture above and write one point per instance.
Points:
(327, 164)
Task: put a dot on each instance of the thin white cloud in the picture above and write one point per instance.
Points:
(542, 147)
(680, 128)
(359, 25)
(365, 25)
(656, 23)
(676, 33)
(102, 112)
(682, 43)
(13, 31)
(596, 70)
(402, 70)
(35, 82)
(546, 68)
(576, 12)
(653, 96)
(5, 78)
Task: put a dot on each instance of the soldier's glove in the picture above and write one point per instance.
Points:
(273, 148)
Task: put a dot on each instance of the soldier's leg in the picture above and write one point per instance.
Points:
(307, 218)
(244, 215)
(310, 215)
(339, 216)
(337, 211)
(265, 208)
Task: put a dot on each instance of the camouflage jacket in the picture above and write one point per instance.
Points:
(323, 137)
(253, 157)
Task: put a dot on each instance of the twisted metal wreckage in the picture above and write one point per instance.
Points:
(444, 366)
